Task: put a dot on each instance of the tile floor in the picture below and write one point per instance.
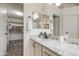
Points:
(15, 48)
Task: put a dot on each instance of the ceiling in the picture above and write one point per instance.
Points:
(14, 10)
(64, 5)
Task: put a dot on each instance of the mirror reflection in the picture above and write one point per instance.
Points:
(56, 25)
(40, 21)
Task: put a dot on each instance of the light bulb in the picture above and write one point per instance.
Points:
(58, 4)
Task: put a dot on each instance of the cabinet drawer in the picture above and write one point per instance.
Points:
(47, 52)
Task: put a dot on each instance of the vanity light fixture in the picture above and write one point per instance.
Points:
(56, 4)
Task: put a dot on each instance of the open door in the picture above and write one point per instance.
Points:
(3, 35)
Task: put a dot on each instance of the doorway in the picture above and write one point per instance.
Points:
(11, 25)
(56, 25)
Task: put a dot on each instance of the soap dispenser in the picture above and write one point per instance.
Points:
(45, 35)
(41, 35)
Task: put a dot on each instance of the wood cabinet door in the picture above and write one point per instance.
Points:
(3, 35)
(37, 49)
(47, 52)
(32, 47)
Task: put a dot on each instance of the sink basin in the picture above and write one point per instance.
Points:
(73, 42)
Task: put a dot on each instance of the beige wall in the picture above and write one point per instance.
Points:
(28, 9)
(71, 10)
(50, 9)
(71, 25)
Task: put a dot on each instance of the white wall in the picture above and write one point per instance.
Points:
(71, 21)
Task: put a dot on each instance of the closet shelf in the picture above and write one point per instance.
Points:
(16, 22)
(18, 29)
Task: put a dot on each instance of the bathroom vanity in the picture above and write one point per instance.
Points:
(41, 50)
(51, 47)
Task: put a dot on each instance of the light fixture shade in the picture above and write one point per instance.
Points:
(35, 16)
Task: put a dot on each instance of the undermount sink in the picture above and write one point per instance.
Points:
(73, 42)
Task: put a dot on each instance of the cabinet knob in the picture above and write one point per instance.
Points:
(6, 33)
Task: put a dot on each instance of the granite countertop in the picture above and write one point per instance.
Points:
(64, 49)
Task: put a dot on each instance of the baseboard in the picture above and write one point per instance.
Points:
(3, 53)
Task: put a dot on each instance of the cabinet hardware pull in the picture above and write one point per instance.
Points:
(33, 45)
